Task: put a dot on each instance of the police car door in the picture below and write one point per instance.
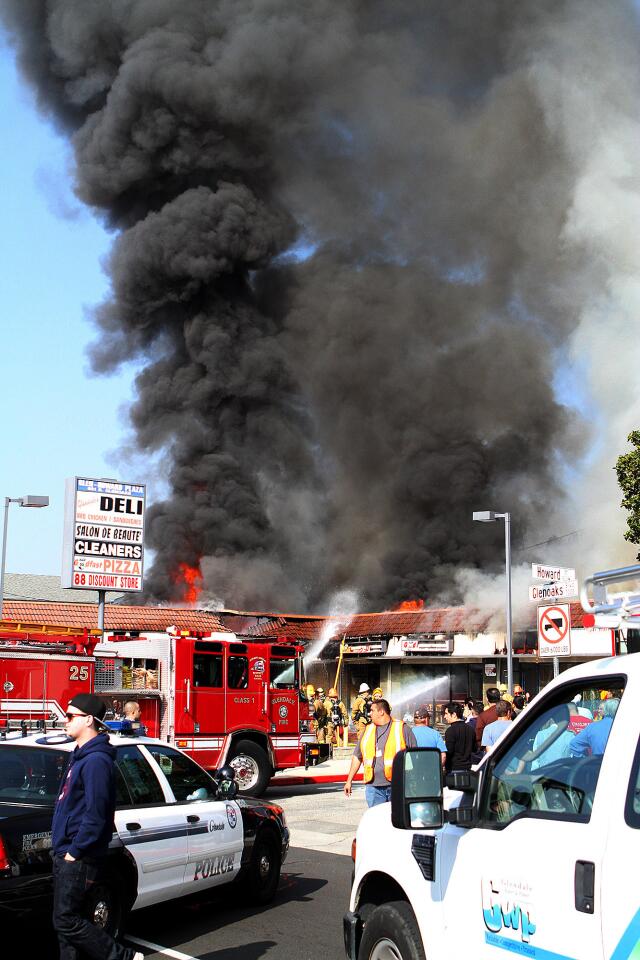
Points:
(215, 833)
(148, 827)
(528, 878)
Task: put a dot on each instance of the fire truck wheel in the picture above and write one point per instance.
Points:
(252, 767)
(104, 908)
(263, 874)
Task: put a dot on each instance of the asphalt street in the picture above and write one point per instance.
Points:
(304, 921)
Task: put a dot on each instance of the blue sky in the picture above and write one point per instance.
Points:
(58, 420)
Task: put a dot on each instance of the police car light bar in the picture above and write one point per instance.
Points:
(622, 608)
(126, 728)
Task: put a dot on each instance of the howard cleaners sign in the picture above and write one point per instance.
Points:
(103, 546)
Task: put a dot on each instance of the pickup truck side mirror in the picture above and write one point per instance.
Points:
(466, 781)
(416, 789)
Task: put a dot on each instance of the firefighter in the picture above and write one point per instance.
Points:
(377, 693)
(361, 713)
(311, 696)
(337, 716)
(320, 713)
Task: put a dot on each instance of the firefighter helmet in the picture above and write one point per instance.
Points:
(364, 688)
(333, 692)
(377, 692)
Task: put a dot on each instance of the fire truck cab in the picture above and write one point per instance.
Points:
(224, 701)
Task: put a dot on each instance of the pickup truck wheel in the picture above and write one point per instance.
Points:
(103, 907)
(263, 874)
(252, 767)
(391, 933)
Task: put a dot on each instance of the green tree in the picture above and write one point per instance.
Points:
(628, 473)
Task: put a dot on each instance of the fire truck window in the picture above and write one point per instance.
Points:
(140, 779)
(187, 780)
(282, 674)
(238, 673)
(207, 670)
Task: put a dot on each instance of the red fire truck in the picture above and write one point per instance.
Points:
(221, 700)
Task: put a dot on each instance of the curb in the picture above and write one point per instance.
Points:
(308, 779)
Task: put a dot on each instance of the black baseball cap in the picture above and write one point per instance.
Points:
(90, 704)
(421, 713)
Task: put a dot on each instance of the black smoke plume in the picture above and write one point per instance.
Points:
(342, 251)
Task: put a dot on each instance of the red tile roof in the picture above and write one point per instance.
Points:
(282, 626)
(116, 617)
(388, 623)
(268, 626)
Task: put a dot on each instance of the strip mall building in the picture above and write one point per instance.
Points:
(430, 655)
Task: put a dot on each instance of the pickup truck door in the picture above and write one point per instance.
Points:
(215, 833)
(528, 878)
(620, 901)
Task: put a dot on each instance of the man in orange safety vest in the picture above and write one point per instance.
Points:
(380, 742)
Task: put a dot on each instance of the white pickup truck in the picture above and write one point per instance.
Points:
(536, 857)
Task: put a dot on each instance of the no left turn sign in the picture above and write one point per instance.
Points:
(554, 630)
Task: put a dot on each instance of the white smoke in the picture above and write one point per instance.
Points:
(343, 606)
(486, 593)
(593, 112)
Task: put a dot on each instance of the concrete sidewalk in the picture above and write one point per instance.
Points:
(319, 815)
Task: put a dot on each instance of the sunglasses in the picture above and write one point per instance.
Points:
(72, 716)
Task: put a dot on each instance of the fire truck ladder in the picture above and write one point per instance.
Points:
(82, 639)
(26, 635)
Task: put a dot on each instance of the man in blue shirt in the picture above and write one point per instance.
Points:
(493, 731)
(592, 739)
(425, 735)
(82, 830)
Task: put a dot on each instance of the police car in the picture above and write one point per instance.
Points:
(179, 829)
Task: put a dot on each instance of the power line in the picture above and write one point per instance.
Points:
(543, 543)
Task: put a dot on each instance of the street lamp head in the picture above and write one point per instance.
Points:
(31, 501)
(484, 516)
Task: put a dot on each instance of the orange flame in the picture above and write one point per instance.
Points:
(190, 578)
(411, 605)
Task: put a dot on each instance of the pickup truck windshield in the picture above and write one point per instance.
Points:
(551, 770)
(31, 775)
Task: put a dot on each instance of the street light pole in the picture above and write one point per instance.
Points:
(488, 516)
(7, 501)
(28, 501)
